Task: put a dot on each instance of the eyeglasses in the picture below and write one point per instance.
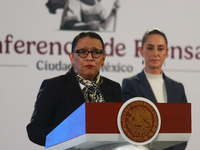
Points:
(84, 53)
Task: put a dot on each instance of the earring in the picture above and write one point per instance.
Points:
(142, 61)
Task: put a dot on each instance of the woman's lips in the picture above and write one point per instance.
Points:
(155, 60)
(89, 66)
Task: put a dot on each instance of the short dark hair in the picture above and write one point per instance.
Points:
(90, 34)
(153, 31)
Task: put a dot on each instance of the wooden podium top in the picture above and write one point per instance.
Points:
(102, 117)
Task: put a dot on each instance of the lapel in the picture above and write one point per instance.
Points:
(105, 91)
(75, 94)
(169, 89)
(145, 87)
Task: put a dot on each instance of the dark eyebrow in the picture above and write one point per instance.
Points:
(94, 48)
(158, 45)
(161, 45)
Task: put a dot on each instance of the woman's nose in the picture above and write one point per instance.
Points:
(90, 56)
(155, 52)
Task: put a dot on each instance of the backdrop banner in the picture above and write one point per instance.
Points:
(35, 41)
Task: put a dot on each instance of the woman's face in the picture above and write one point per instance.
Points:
(154, 52)
(87, 67)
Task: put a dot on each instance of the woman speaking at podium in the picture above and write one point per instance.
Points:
(58, 97)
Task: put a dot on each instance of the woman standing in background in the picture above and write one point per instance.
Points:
(151, 82)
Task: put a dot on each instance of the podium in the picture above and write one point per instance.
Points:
(94, 125)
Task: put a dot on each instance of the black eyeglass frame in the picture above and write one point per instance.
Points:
(92, 52)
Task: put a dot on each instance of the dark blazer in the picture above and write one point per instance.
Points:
(138, 86)
(57, 98)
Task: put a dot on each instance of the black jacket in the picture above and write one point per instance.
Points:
(57, 98)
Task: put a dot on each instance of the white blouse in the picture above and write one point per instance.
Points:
(158, 87)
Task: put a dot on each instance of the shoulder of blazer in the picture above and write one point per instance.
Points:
(140, 77)
(108, 81)
(67, 80)
(169, 80)
(66, 77)
(170, 83)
